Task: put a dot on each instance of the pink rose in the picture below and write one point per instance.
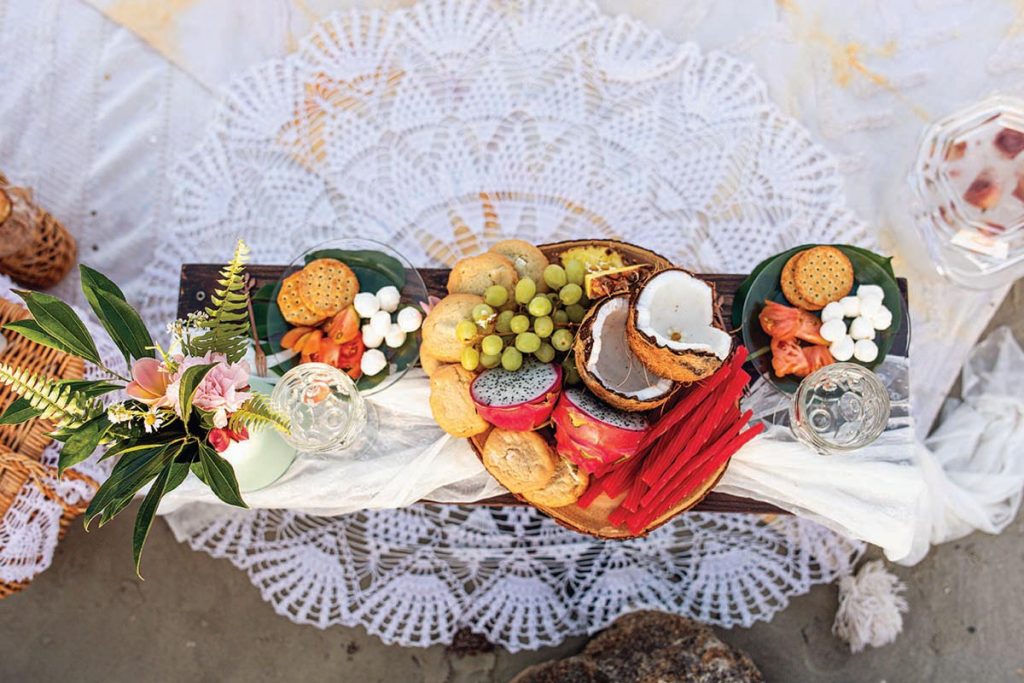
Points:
(222, 390)
(149, 383)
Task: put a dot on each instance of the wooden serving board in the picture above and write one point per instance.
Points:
(198, 280)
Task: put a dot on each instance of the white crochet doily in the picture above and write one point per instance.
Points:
(30, 529)
(440, 129)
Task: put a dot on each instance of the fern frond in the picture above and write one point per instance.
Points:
(227, 324)
(256, 414)
(60, 403)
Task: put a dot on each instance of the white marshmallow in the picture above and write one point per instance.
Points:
(409, 319)
(833, 330)
(371, 337)
(865, 351)
(842, 349)
(851, 306)
(372, 362)
(388, 298)
(870, 306)
(833, 311)
(861, 328)
(882, 319)
(395, 337)
(366, 304)
(381, 322)
(870, 292)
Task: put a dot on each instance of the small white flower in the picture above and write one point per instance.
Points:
(152, 421)
(119, 413)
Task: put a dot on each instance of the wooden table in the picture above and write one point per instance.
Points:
(198, 280)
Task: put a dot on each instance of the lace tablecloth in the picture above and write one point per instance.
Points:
(123, 113)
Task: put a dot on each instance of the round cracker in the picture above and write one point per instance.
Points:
(290, 302)
(328, 286)
(788, 282)
(823, 275)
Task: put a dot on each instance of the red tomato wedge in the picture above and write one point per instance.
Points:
(787, 323)
(788, 358)
(817, 357)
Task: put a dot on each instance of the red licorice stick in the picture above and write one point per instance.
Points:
(637, 492)
(595, 489)
(714, 445)
(726, 449)
(721, 407)
(621, 479)
(688, 403)
(668, 448)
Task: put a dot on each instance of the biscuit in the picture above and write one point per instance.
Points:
(528, 260)
(429, 363)
(327, 286)
(823, 275)
(451, 403)
(520, 461)
(291, 305)
(565, 487)
(475, 274)
(439, 338)
(788, 282)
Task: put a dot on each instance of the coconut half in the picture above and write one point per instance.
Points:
(607, 365)
(672, 327)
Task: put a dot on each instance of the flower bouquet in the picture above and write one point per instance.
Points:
(184, 406)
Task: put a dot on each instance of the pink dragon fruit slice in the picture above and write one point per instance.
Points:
(519, 401)
(593, 432)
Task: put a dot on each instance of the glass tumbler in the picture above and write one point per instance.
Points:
(840, 407)
(326, 411)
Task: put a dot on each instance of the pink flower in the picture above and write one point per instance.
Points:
(149, 383)
(222, 390)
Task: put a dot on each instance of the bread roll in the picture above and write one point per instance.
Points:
(520, 461)
(451, 404)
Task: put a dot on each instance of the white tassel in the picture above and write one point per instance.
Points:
(870, 607)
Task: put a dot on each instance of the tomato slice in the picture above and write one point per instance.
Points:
(788, 358)
(817, 357)
(778, 321)
(809, 329)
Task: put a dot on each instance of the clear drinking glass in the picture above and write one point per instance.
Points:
(840, 407)
(326, 410)
(968, 193)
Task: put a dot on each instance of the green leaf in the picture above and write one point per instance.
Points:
(179, 471)
(190, 381)
(90, 388)
(58, 320)
(119, 319)
(19, 411)
(220, 476)
(83, 442)
(144, 518)
(128, 476)
(197, 469)
(30, 329)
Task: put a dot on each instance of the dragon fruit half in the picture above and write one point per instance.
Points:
(519, 401)
(593, 434)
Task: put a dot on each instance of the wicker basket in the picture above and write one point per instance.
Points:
(22, 446)
(50, 250)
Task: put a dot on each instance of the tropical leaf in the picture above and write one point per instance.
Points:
(146, 513)
(128, 476)
(20, 410)
(257, 413)
(190, 381)
(30, 329)
(179, 471)
(61, 403)
(61, 323)
(122, 322)
(83, 442)
(220, 476)
(227, 324)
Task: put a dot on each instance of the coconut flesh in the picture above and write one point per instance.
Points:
(675, 309)
(613, 363)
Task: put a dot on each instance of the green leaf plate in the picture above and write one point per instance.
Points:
(764, 284)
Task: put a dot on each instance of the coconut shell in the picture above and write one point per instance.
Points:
(682, 366)
(582, 350)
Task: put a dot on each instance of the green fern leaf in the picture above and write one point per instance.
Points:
(69, 407)
(257, 413)
(227, 324)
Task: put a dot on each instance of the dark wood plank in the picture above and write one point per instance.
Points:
(198, 280)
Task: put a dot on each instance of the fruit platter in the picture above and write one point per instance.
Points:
(601, 384)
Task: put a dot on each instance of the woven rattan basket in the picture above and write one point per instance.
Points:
(47, 252)
(22, 446)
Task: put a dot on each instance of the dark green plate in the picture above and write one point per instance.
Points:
(764, 284)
